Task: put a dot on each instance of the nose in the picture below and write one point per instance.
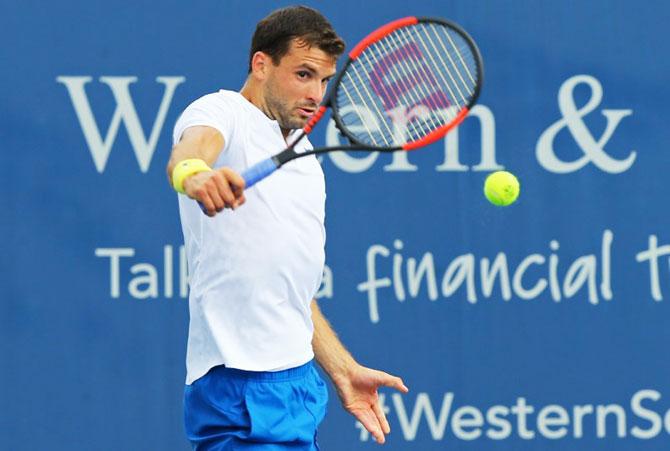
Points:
(316, 92)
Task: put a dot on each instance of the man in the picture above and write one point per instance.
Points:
(254, 326)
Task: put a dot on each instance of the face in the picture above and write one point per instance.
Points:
(294, 88)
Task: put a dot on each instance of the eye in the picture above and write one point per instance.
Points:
(303, 74)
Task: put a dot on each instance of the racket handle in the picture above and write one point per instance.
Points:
(258, 172)
(253, 175)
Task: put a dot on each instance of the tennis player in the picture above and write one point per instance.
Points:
(256, 259)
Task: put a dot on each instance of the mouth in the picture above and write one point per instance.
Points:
(305, 111)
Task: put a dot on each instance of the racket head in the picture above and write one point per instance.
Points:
(406, 84)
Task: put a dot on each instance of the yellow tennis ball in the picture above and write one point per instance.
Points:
(501, 188)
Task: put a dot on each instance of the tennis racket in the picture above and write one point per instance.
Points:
(402, 87)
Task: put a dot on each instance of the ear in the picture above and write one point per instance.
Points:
(260, 63)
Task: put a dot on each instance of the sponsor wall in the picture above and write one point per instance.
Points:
(541, 326)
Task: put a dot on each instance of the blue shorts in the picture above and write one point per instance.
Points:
(229, 409)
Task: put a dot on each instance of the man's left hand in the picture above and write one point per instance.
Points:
(359, 396)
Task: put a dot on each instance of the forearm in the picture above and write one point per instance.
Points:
(328, 349)
(356, 385)
(200, 142)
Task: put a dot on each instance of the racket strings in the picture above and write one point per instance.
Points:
(368, 61)
(358, 86)
(363, 68)
(456, 92)
(437, 66)
(459, 54)
(428, 77)
(416, 90)
(401, 79)
(367, 122)
(370, 101)
(407, 85)
(452, 63)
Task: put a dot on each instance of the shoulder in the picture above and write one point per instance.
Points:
(228, 100)
(220, 110)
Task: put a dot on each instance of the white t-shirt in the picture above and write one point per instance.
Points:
(253, 271)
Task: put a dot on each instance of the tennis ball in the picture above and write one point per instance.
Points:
(501, 188)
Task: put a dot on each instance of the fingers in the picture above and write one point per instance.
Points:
(370, 422)
(393, 382)
(221, 188)
(235, 185)
(381, 417)
(202, 195)
(364, 401)
(233, 178)
(216, 190)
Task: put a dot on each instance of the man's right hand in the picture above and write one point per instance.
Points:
(216, 189)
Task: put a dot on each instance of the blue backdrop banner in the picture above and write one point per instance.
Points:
(539, 326)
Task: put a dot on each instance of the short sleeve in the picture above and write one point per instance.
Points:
(212, 110)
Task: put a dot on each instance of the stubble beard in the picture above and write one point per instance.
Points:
(280, 111)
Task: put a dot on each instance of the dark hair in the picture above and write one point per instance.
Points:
(275, 33)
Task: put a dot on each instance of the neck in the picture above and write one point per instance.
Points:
(253, 93)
